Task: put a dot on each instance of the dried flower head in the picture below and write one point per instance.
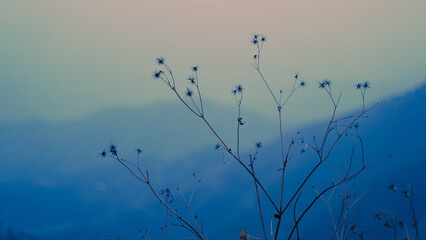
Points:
(195, 68)
(189, 92)
(244, 235)
(160, 60)
(327, 82)
(406, 193)
(321, 84)
(103, 153)
(392, 187)
(240, 121)
(387, 224)
(191, 80)
(157, 74)
(113, 149)
(239, 88)
(366, 84)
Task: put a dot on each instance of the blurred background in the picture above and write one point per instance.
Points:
(76, 76)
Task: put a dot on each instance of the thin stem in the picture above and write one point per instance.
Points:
(165, 225)
(199, 94)
(187, 203)
(258, 198)
(294, 215)
(145, 179)
(284, 161)
(323, 159)
(196, 107)
(183, 101)
(219, 138)
(328, 188)
(267, 85)
(316, 198)
(241, 163)
(238, 130)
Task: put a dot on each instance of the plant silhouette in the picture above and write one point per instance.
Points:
(322, 146)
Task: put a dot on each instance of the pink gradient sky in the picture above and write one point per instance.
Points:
(61, 60)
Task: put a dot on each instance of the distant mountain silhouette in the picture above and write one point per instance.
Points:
(45, 167)
(164, 131)
(393, 127)
(52, 172)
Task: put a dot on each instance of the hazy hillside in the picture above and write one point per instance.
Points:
(54, 173)
(55, 186)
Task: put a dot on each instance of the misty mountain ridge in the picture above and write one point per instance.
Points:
(45, 166)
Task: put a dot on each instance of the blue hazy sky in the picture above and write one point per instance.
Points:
(62, 60)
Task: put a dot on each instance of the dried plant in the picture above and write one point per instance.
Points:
(402, 227)
(322, 147)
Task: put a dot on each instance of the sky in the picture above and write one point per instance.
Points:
(63, 60)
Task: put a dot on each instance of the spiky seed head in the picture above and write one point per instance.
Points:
(160, 60)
